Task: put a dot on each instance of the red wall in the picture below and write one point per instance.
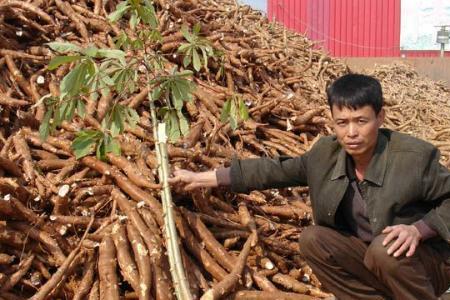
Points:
(347, 28)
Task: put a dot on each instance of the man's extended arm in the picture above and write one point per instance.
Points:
(249, 174)
(193, 180)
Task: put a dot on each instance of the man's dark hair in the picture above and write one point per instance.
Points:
(355, 91)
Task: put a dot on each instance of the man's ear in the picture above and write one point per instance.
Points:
(381, 115)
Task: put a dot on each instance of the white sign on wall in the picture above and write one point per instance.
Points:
(418, 21)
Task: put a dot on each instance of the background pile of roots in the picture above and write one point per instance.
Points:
(88, 229)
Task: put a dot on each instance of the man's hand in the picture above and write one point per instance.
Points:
(405, 237)
(193, 180)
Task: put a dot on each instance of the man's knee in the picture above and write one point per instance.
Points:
(309, 239)
(312, 240)
(376, 258)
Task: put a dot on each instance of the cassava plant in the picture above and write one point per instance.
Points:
(111, 76)
(234, 110)
(196, 50)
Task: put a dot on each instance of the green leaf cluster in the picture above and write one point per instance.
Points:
(125, 79)
(139, 11)
(86, 76)
(234, 110)
(174, 89)
(57, 111)
(88, 141)
(123, 41)
(82, 53)
(105, 71)
(118, 117)
(176, 123)
(197, 50)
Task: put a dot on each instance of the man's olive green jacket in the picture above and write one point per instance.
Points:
(406, 182)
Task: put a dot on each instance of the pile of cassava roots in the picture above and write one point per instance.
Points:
(93, 229)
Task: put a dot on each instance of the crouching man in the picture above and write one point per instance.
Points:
(380, 200)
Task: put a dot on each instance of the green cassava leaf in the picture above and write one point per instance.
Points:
(195, 48)
(148, 15)
(70, 109)
(155, 36)
(134, 20)
(44, 128)
(233, 115)
(156, 93)
(104, 87)
(172, 126)
(104, 125)
(186, 88)
(93, 90)
(177, 97)
(66, 110)
(205, 58)
(121, 9)
(137, 44)
(117, 122)
(73, 81)
(81, 108)
(196, 29)
(233, 122)
(210, 51)
(187, 60)
(107, 80)
(243, 110)
(184, 47)
(90, 51)
(104, 83)
(60, 60)
(85, 142)
(64, 47)
(162, 112)
(196, 60)
(132, 117)
(225, 111)
(100, 151)
(112, 53)
(122, 40)
(113, 146)
(119, 80)
(184, 125)
(56, 118)
(62, 111)
(185, 73)
(186, 34)
(124, 80)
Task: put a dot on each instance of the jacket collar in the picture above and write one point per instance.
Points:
(377, 166)
(340, 167)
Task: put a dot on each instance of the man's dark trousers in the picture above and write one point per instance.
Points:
(353, 269)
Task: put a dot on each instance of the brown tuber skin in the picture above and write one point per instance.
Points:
(87, 281)
(227, 285)
(161, 281)
(143, 262)
(109, 283)
(23, 268)
(126, 262)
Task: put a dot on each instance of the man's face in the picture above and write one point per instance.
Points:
(357, 129)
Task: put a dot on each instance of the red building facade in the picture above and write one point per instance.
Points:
(347, 28)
